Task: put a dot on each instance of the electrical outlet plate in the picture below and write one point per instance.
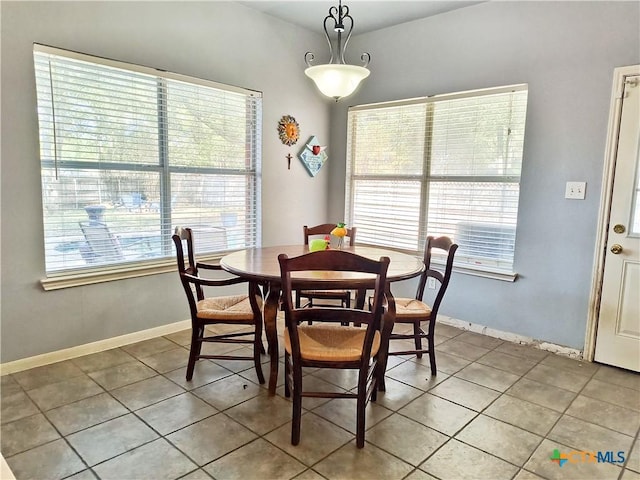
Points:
(575, 190)
(431, 283)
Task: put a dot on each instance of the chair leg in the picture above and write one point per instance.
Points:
(432, 355)
(297, 405)
(360, 416)
(417, 339)
(194, 352)
(257, 348)
(287, 374)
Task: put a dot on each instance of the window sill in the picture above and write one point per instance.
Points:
(484, 273)
(121, 272)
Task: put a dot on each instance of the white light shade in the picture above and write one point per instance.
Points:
(337, 80)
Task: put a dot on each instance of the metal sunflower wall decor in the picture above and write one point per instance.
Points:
(289, 130)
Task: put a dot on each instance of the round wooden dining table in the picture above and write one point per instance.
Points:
(261, 265)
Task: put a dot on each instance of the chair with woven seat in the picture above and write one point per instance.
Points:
(237, 310)
(343, 295)
(326, 344)
(415, 311)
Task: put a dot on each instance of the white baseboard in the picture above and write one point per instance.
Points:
(109, 343)
(5, 471)
(511, 337)
(94, 347)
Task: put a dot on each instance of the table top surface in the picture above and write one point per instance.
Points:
(262, 264)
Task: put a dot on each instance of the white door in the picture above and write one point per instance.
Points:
(618, 333)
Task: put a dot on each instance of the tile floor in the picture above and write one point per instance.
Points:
(495, 410)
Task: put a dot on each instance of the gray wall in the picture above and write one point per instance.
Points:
(566, 52)
(219, 41)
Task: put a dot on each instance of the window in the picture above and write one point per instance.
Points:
(128, 152)
(442, 165)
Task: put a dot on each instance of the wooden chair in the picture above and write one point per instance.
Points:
(415, 310)
(326, 345)
(343, 295)
(238, 310)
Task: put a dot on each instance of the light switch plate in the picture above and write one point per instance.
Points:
(575, 190)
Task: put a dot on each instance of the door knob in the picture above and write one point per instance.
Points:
(616, 248)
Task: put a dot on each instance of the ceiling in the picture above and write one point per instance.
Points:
(367, 15)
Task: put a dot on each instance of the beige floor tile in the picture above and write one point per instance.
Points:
(500, 439)
(204, 372)
(630, 475)
(618, 395)
(26, 433)
(57, 394)
(462, 349)
(262, 413)
(342, 412)
(85, 413)
(605, 414)
(508, 363)
(437, 413)
(567, 364)
(51, 461)
(397, 394)
(175, 413)
(147, 392)
(487, 376)
(211, 438)
(525, 475)
(318, 438)
(479, 340)
(102, 360)
(457, 461)
(523, 351)
(416, 375)
(418, 474)
(526, 415)
(228, 391)
(47, 374)
(542, 394)
(16, 406)
(123, 374)
(149, 347)
(168, 360)
(618, 376)
(405, 438)
(350, 462)
(446, 363)
(158, 460)
(557, 377)
(634, 457)
(465, 393)
(582, 435)
(112, 438)
(241, 463)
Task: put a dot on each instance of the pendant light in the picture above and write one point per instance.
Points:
(337, 79)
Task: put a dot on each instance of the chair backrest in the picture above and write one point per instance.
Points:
(325, 229)
(102, 245)
(184, 236)
(443, 277)
(189, 275)
(337, 261)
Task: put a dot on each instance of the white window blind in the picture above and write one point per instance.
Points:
(443, 165)
(128, 152)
